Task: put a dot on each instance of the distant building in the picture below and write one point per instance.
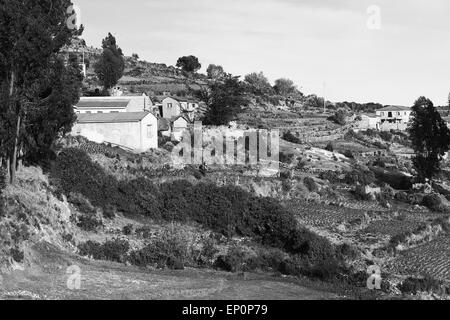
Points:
(368, 121)
(394, 118)
(174, 107)
(114, 104)
(174, 127)
(136, 131)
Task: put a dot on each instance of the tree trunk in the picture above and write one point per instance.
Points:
(13, 166)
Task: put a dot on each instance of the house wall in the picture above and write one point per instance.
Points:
(403, 116)
(133, 135)
(139, 104)
(180, 124)
(386, 126)
(173, 111)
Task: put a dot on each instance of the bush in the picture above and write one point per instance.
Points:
(3, 182)
(359, 176)
(228, 210)
(330, 147)
(289, 137)
(89, 222)
(112, 250)
(168, 250)
(310, 184)
(415, 285)
(395, 179)
(349, 154)
(433, 202)
(286, 158)
(386, 136)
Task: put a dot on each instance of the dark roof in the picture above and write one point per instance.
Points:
(395, 108)
(112, 104)
(112, 117)
(173, 119)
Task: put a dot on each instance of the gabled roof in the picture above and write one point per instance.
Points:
(122, 117)
(180, 99)
(395, 108)
(173, 119)
(102, 103)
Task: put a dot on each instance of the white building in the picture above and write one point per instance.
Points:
(175, 107)
(115, 104)
(136, 131)
(394, 118)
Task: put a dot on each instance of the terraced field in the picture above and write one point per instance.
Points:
(391, 227)
(323, 216)
(432, 258)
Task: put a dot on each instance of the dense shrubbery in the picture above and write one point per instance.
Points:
(227, 210)
(415, 285)
(112, 250)
(395, 179)
(289, 137)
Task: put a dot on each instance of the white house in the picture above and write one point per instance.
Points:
(174, 127)
(137, 131)
(174, 107)
(368, 121)
(394, 118)
(115, 104)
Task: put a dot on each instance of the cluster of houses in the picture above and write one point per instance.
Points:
(133, 122)
(386, 119)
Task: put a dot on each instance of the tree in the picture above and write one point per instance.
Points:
(189, 64)
(215, 72)
(53, 116)
(135, 56)
(258, 84)
(430, 138)
(284, 87)
(32, 34)
(109, 68)
(224, 100)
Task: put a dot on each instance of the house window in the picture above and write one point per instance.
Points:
(169, 105)
(150, 131)
(382, 114)
(88, 112)
(114, 111)
(99, 111)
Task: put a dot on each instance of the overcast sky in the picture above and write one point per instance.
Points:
(310, 41)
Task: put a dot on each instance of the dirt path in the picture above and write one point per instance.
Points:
(104, 280)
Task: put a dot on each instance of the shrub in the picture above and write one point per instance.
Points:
(433, 202)
(395, 179)
(89, 222)
(330, 147)
(415, 285)
(3, 182)
(289, 137)
(359, 176)
(349, 154)
(286, 158)
(386, 136)
(168, 250)
(112, 250)
(127, 230)
(81, 203)
(310, 184)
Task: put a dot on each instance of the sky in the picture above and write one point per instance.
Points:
(345, 50)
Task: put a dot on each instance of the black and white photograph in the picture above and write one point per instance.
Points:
(223, 156)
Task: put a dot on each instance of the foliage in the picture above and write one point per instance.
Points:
(115, 250)
(189, 64)
(227, 210)
(430, 138)
(415, 285)
(109, 68)
(340, 117)
(433, 202)
(258, 84)
(215, 72)
(224, 101)
(310, 184)
(289, 137)
(37, 90)
(284, 87)
(169, 249)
